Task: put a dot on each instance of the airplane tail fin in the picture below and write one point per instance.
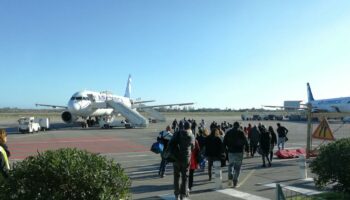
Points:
(310, 97)
(128, 87)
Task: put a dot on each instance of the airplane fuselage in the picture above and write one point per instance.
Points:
(91, 104)
(341, 104)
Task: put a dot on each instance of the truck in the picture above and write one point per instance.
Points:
(110, 122)
(44, 123)
(28, 125)
(246, 117)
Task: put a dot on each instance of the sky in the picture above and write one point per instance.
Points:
(218, 54)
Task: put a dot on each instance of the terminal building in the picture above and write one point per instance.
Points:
(291, 105)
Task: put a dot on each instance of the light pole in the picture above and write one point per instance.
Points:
(309, 129)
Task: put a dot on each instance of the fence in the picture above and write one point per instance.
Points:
(284, 193)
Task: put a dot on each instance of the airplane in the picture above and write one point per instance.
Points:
(88, 104)
(332, 107)
(339, 105)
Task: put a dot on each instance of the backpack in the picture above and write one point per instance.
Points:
(172, 152)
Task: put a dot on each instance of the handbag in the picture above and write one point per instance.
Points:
(200, 157)
(157, 147)
(286, 139)
(259, 150)
(169, 156)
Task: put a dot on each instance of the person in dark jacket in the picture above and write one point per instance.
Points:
(194, 126)
(201, 138)
(174, 125)
(273, 141)
(214, 149)
(254, 138)
(4, 154)
(185, 141)
(235, 142)
(282, 134)
(265, 142)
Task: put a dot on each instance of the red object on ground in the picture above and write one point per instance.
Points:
(289, 153)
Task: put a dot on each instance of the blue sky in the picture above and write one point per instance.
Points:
(219, 54)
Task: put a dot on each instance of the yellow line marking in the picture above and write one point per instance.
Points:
(246, 178)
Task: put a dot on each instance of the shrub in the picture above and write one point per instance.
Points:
(66, 174)
(332, 165)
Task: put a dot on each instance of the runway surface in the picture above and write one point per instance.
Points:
(130, 148)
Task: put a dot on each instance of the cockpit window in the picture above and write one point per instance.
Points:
(79, 98)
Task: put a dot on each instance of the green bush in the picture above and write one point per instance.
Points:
(332, 166)
(66, 174)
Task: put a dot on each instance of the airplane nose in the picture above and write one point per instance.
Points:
(76, 106)
(73, 106)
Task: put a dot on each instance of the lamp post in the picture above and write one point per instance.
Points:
(309, 129)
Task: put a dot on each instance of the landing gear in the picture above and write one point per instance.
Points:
(90, 122)
(84, 125)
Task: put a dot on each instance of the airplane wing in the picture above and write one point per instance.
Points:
(164, 105)
(139, 102)
(288, 107)
(52, 106)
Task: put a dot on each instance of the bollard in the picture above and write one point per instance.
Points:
(218, 175)
(302, 166)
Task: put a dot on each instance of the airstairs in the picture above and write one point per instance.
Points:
(155, 114)
(134, 117)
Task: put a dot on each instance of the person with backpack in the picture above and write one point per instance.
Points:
(235, 142)
(164, 138)
(282, 135)
(181, 146)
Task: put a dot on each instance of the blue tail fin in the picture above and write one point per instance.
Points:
(128, 88)
(310, 97)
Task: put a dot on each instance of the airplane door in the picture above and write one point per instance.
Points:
(91, 97)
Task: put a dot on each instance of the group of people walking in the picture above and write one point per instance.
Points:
(224, 144)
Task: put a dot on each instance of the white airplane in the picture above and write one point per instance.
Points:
(339, 105)
(333, 105)
(87, 104)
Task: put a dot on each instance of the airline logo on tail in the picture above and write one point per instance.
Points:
(310, 97)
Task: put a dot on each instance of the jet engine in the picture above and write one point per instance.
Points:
(68, 118)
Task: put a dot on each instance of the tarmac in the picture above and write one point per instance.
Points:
(130, 148)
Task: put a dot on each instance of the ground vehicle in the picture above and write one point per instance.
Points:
(28, 125)
(110, 122)
(256, 117)
(44, 123)
(246, 117)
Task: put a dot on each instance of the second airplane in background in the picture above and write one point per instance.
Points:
(340, 105)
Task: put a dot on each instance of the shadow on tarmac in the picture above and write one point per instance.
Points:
(151, 188)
